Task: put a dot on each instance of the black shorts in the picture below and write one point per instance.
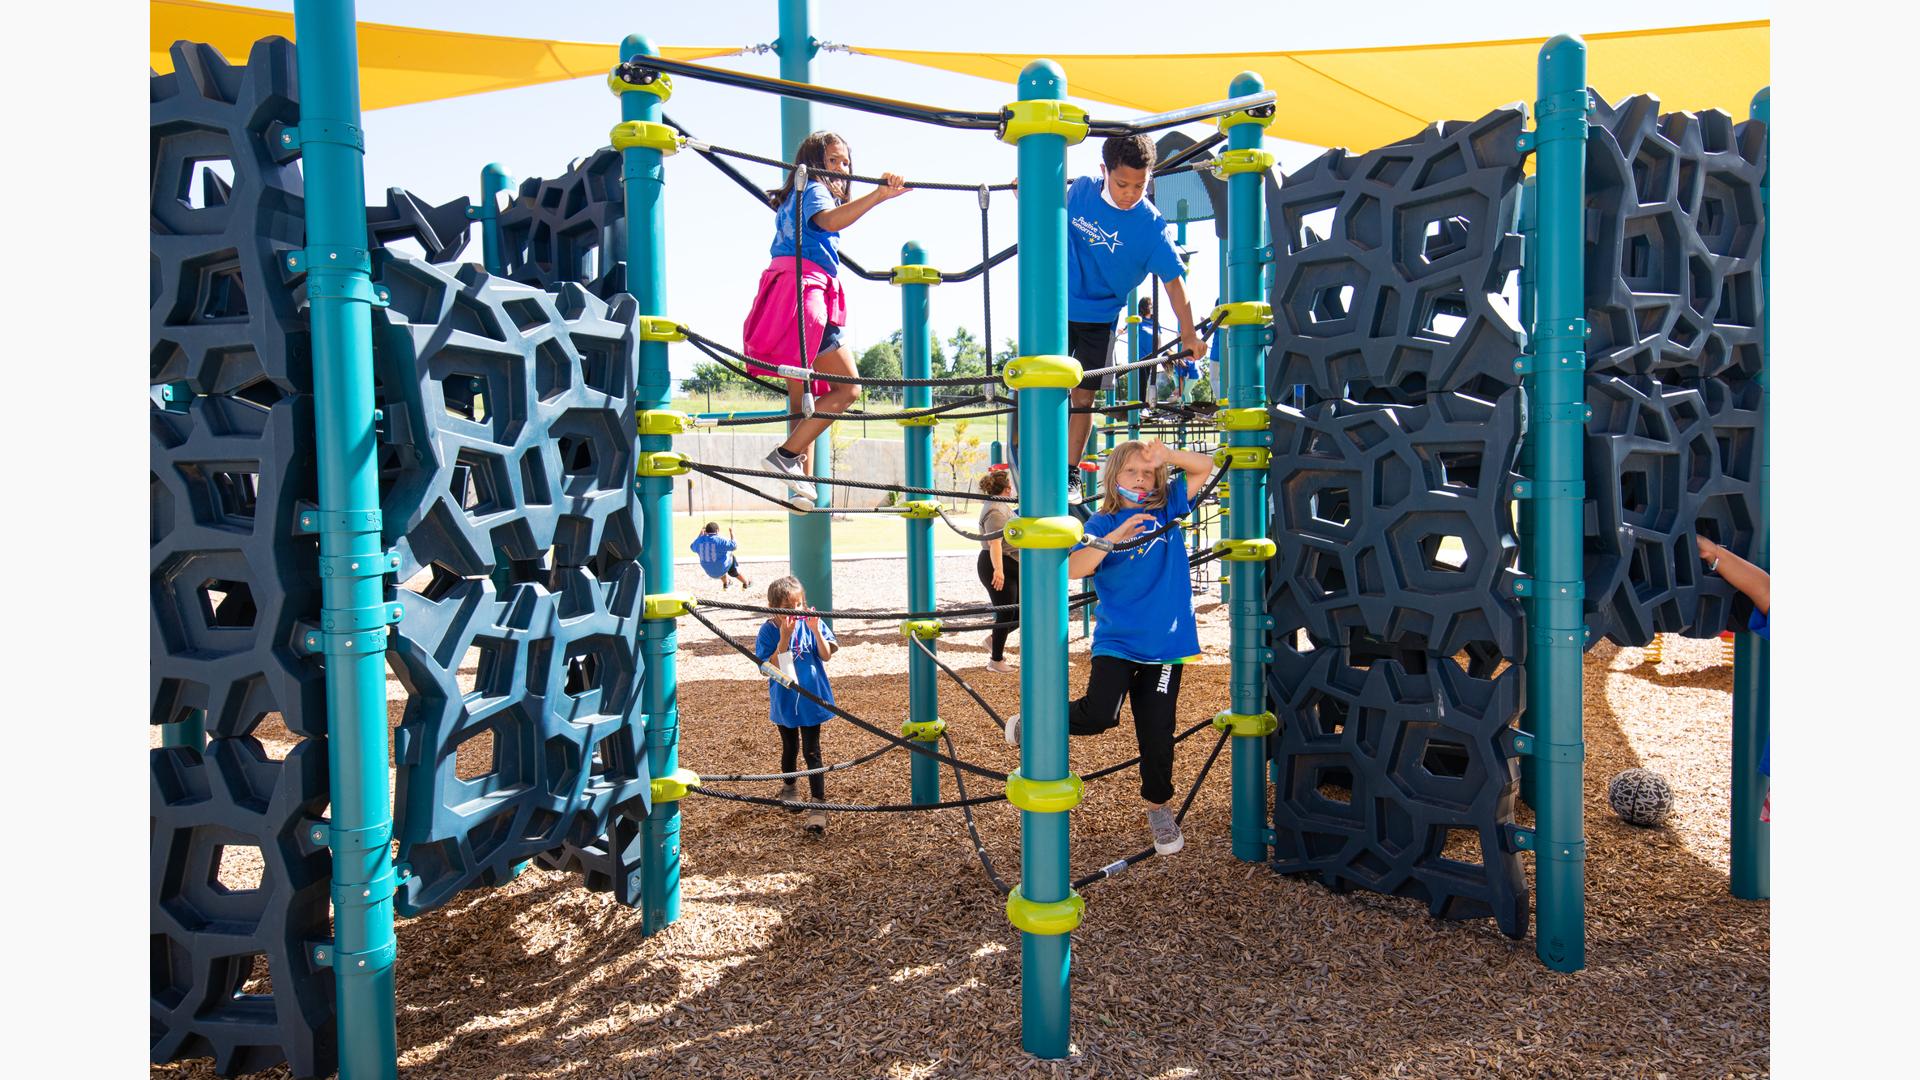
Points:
(1091, 343)
(829, 340)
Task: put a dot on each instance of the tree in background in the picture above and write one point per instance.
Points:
(957, 452)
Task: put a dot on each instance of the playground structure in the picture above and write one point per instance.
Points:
(485, 394)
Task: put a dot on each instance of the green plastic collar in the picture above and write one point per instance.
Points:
(1044, 118)
(1243, 313)
(1242, 419)
(923, 730)
(660, 328)
(924, 629)
(1051, 920)
(645, 135)
(675, 787)
(915, 275)
(1235, 162)
(1044, 796)
(1242, 116)
(664, 422)
(661, 463)
(1048, 532)
(1256, 724)
(661, 86)
(1042, 373)
(667, 605)
(1243, 457)
(1256, 550)
(919, 508)
(929, 420)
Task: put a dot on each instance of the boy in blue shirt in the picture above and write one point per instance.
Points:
(716, 555)
(1144, 626)
(1116, 238)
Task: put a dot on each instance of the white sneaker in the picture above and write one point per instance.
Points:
(1075, 492)
(1013, 730)
(1167, 837)
(795, 470)
(1000, 667)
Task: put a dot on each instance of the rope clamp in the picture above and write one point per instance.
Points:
(1259, 114)
(1235, 162)
(1242, 457)
(645, 135)
(645, 81)
(1044, 533)
(1049, 919)
(1259, 549)
(923, 730)
(664, 422)
(1254, 419)
(674, 787)
(1044, 796)
(1042, 373)
(923, 420)
(915, 275)
(919, 509)
(1255, 725)
(667, 605)
(924, 629)
(660, 328)
(1023, 118)
(1243, 313)
(661, 463)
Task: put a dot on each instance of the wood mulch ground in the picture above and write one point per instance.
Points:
(879, 950)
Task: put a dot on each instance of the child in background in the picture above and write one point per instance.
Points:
(1144, 626)
(1756, 585)
(716, 555)
(799, 645)
(808, 264)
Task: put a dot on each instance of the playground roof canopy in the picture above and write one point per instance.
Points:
(1361, 98)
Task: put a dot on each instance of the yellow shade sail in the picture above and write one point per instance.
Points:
(400, 65)
(1363, 98)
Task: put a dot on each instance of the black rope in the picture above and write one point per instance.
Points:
(769, 474)
(962, 683)
(844, 714)
(966, 811)
(1135, 760)
(694, 144)
(904, 414)
(849, 808)
(727, 362)
(981, 537)
(878, 616)
(849, 380)
(836, 767)
(792, 507)
(1139, 857)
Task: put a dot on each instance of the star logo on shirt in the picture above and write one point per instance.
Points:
(1100, 237)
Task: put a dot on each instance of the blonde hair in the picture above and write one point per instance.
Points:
(782, 591)
(1117, 459)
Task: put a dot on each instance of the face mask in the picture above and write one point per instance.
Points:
(1130, 494)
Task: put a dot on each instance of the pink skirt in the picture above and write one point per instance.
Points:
(770, 335)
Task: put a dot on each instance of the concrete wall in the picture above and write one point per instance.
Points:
(880, 461)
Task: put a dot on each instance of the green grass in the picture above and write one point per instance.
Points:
(766, 534)
(859, 429)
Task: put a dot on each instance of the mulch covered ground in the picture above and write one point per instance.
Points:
(880, 950)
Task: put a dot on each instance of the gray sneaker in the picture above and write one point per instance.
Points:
(795, 470)
(1166, 831)
(789, 792)
(1013, 730)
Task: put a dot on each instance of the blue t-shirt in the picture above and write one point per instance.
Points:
(1111, 251)
(784, 706)
(817, 244)
(716, 553)
(1145, 613)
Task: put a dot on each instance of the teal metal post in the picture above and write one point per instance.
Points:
(645, 178)
(340, 288)
(916, 362)
(1750, 874)
(809, 536)
(1247, 389)
(494, 185)
(1529, 215)
(1045, 958)
(1556, 387)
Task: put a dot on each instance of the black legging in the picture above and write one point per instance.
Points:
(1007, 621)
(791, 742)
(1154, 691)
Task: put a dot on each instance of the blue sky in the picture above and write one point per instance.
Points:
(718, 238)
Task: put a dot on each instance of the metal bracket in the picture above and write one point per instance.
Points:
(309, 518)
(301, 260)
(1259, 256)
(1517, 743)
(1566, 489)
(346, 620)
(315, 130)
(1560, 637)
(1576, 412)
(356, 644)
(1517, 838)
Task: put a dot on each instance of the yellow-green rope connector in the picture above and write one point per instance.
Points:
(661, 463)
(664, 422)
(1254, 724)
(923, 730)
(1134, 320)
(675, 787)
(1044, 796)
(1046, 532)
(1243, 313)
(660, 328)
(1042, 373)
(661, 86)
(1044, 118)
(1259, 549)
(1033, 917)
(1242, 457)
(1242, 116)
(667, 605)
(915, 275)
(1242, 419)
(924, 629)
(919, 508)
(645, 135)
(1234, 162)
(925, 420)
